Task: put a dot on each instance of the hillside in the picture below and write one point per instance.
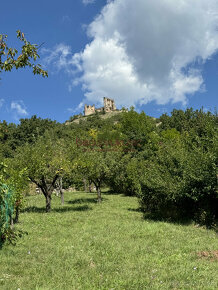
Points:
(76, 119)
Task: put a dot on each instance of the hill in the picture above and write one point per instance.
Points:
(77, 118)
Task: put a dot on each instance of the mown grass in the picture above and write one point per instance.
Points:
(85, 245)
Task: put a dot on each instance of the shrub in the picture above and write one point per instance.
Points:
(125, 175)
(181, 181)
(6, 211)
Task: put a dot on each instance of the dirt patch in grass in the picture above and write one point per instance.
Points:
(209, 255)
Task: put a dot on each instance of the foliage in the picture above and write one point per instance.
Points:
(9, 58)
(29, 130)
(96, 167)
(12, 181)
(17, 178)
(6, 212)
(195, 122)
(45, 161)
(7, 140)
(12, 185)
(181, 180)
(125, 175)
(136, 127)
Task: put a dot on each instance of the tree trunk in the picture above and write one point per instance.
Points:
(61, 191)
(99, 193)
(48, 203)
(85, 185)
(17, 213)
(90, 186)
(11, 222)
(46, 190)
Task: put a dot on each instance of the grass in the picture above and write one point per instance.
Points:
(84, 245)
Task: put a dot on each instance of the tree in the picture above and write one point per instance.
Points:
(95, 167)
(12, 184)
(16, 178)
(6, 139)
(45, 162)
(136, 128)
(30, 129)
(180, 178)
(6, 212)
(10, 57)
(125, 176)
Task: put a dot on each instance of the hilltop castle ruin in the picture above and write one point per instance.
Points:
(109, 106)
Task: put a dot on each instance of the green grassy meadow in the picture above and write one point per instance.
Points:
(85, 245)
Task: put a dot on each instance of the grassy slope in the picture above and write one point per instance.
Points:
(83, 245)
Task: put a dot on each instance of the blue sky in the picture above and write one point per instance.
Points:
(155, 55)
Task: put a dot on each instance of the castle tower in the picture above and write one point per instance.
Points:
(89, 110)
(109, 105)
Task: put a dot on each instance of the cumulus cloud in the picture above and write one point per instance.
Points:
(19, 108)
(142, 51)
(60, 57)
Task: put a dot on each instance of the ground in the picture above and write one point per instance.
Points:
(85, 245)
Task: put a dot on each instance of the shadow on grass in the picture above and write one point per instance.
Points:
(110, 192)
(33, 209)
(176, 221)
(154, 218)
(61, 209)
(179, 220)
(135, 209)
(85, 200)
(69, 208)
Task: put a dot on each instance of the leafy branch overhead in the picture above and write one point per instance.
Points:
(10, 57)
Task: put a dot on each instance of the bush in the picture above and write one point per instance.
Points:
(125, 176)
(6, 211)
(181, 181)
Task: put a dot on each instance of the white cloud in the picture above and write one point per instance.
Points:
(19, 108)
(1, 102)
(78, 108)
(142, 51)
(86, 2)
(60, 57)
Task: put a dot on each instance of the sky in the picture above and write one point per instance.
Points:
(154, 55)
